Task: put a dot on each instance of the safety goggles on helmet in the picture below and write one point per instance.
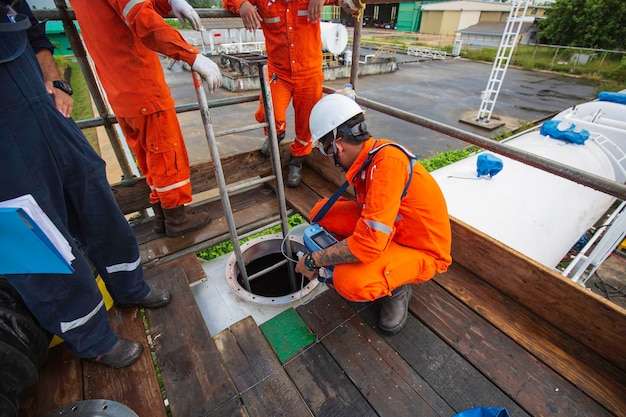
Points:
(330, 113)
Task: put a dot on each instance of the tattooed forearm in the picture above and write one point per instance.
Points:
(333, 255)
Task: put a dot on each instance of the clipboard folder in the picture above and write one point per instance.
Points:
(25, 248)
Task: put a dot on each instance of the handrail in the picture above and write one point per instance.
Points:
(593, 181)
(565, 171)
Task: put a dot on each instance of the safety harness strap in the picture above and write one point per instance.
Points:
(370, 155)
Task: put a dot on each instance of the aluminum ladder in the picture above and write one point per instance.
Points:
(503, 57)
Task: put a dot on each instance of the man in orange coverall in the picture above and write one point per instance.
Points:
(294, 61)
(397, 230)
(122, 37)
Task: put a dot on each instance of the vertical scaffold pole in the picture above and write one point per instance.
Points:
(219, 175)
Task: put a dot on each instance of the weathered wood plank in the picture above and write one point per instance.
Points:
(265, 388)
(236, 167)
(60, 383)
(135, 386)
(370, 363)
(533, 385)
(188, 263)
(324, 386)
(586, 370)
(164, 247)
(455, 380)
(196, 382)
(588, 318)
(213, 206)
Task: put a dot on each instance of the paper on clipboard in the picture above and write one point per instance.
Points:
(29, 241)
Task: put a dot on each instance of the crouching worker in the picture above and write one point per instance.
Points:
(395, 232)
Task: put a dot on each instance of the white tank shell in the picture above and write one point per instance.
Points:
(603, 118)
(537, 213)
(334, 37)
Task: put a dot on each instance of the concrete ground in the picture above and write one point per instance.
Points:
(444, 91)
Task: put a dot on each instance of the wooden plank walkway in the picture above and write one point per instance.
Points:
(466, 344)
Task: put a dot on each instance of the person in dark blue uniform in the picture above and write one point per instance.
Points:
(44, 49)
(45, 154)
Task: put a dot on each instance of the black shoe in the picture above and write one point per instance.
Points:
(265, 148)
(156, 298)
(294, 175)
(395, 310)
(123, 353)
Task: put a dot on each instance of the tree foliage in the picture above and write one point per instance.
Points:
(597, 24)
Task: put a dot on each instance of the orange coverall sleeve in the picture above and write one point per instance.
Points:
(146, 22)
(386, 179)
(234, 5)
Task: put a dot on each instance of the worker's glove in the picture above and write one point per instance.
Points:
(352, 7)
(183, 10)
(208, 70)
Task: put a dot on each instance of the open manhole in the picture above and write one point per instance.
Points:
(265, 253)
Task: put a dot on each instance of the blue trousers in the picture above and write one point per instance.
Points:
(46, 155)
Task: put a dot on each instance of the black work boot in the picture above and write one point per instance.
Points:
(155, 298)
(395, 310)
(265, 148)
(123, 353)
(179, 220)
(159, 219)
(294, 176)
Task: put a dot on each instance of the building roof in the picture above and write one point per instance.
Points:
(462, 5)
(491, 28)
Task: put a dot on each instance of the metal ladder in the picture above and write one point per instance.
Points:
(219, 173)
(503, 57)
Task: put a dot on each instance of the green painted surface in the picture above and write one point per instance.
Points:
(287, 334)
(56, 34)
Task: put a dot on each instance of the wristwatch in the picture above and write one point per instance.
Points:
(63, 86)
(309, 263)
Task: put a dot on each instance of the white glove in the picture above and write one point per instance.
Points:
(208, 70)
(183, 10)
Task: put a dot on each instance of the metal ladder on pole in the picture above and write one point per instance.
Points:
(221, 181)
(503, 57)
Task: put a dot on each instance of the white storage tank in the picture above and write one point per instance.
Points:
(604, 118)
(537, 213)
(334, 37)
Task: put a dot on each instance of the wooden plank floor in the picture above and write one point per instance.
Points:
(447, 359)
(464, 345)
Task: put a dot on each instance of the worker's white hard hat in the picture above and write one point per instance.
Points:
(329, 113)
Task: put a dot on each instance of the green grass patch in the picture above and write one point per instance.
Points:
(227, 247)
(83, 109)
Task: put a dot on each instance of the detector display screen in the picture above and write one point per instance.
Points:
(323, 239)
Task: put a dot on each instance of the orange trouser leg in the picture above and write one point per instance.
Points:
(281, 97)
(305, 93)
(396, 266)
(159, 147)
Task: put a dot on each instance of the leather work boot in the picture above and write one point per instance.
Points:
(265, 148)
(179, 220)
(123, 353)
(294, 176)
(154, 299)
(159, 219)
(395, 310)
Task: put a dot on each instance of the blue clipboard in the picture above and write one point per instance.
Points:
(25, 248)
